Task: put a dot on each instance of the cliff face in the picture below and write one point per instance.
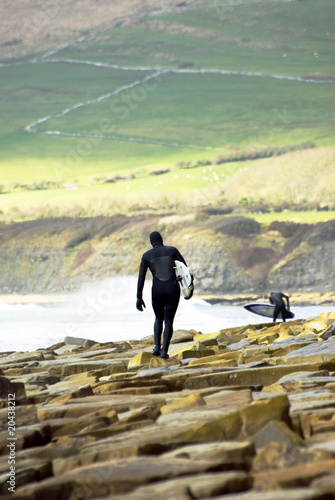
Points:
(227, 254)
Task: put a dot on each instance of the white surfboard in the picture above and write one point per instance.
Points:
(184, 278)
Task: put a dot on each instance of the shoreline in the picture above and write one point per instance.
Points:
(297, 298)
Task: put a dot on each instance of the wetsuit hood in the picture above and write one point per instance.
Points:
(156, 238)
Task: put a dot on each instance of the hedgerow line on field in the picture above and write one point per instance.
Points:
(48, 57)
(129, 138)
(226, 72)
(217, 5)
(32, 127)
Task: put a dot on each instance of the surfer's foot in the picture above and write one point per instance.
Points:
(156, 351)
(164, 355)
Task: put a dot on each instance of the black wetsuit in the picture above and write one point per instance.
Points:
(165, 288)
(276, 298)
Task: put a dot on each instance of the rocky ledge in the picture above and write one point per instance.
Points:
(242, 413)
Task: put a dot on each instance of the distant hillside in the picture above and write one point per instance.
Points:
(227, 254)
(141, 100)
(33, 27)
(210, 121)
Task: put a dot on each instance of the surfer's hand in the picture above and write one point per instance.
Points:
(140, 304)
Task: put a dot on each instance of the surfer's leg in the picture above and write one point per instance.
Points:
(158, 326)
(158, 329)
(167, 335)
(170, 312)
(283, 313)
(158, 305)
(276, 312)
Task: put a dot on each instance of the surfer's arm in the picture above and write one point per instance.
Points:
(287, 300)
(180, 257)
(141, 277)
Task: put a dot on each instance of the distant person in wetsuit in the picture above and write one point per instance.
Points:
(165, 289)
(276, 298)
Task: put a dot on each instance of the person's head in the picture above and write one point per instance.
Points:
(156, 238)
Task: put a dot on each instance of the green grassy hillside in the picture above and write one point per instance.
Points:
(156, 93)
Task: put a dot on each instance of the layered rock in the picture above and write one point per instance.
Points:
(242, 413)
(64, 254)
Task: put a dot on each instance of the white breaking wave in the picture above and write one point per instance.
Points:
(105, 311)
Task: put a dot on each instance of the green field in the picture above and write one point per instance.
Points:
(158, 91)
(294, 39)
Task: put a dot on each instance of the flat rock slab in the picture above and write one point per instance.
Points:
(227, 399)
(26, 472)
(286, 494)
(257, 376)
(188, 487)
(295, 476)
(325, 484)
(326, 349)
(236, 454)
(82, 406)
(113, 477)
(26, 437)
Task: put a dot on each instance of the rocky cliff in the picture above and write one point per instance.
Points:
(231, 254)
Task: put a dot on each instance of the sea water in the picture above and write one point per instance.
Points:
(106, 311)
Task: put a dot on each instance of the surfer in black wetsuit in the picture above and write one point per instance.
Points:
(276, 298)
(165, 289)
